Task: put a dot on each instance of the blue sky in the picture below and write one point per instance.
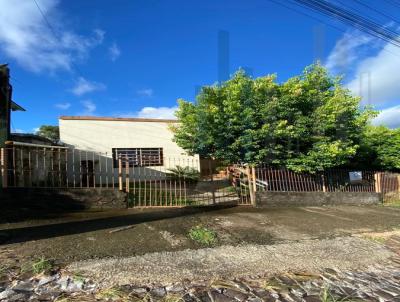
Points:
(136, 58)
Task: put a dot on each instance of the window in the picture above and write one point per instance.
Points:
(138, 157)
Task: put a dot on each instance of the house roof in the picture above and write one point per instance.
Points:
(120, 119)
(16, 107)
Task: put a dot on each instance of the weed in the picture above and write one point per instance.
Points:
(327, 296)
(203, 235)
(78, 278)
(3, 270)
(377, 239)
(172, 298)
(113, 294)
(42, 265)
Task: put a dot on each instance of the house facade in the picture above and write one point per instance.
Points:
(102, 145)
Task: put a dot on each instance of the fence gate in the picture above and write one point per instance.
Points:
(179, 182)
(389, 186)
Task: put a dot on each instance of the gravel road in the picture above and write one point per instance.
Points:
(235, 261)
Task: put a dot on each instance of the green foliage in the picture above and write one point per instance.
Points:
(42, 265)
(50, 132)
(203, 235)
(379, 148)
(308, 123)
(187, 173)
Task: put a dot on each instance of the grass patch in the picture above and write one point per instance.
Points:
(42, 265)
(78, 277)
(203, 235)
(377, 239)
(113, 294)
(327, 296)
(3, 270)
(38, 266)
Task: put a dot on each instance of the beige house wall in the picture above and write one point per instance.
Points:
(100, 135)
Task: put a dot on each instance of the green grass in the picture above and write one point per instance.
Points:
(42, 265)
(395, 204)
(327, 296)
(203, 235)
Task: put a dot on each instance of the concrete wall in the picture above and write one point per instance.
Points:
(293, 199)
(67, 199)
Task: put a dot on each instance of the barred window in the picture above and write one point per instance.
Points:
(138, 157)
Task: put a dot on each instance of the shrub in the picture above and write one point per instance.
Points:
(187, 173)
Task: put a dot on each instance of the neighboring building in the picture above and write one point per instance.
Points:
(26, 159)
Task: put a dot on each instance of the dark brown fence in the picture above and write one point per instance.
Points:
(333, 180)
(249, 180)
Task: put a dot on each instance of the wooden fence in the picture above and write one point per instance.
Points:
(249, 180)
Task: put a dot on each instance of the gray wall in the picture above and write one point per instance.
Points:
(56, 199)
(293, 199)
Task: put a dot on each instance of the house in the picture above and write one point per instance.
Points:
(104, 144)
(22, 152)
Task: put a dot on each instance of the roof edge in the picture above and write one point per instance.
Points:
(117, 119)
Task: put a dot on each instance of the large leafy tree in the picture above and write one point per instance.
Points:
(50, 132)
(307, 123)
(379, 149)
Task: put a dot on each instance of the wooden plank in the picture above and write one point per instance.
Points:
(4, 168)
(120, 174)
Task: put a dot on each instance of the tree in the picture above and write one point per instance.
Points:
(379, 148)
(308, 123)
(50, 132)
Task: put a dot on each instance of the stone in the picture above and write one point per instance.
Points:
(237, 295)
(6, 294)
(23, 286)
(158, 292)
(174, 288)
(18, 297)
(46, 279)
(63, 282)
(313, 298)
(215, 296)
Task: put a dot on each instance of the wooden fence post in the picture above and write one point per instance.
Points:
(4, 169)
(127, 175)
(378, 185)
(398, 183)
(250, 186)
(120, 174)
(323, 182)
(253, 172)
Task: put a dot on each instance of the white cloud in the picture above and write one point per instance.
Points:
(377, 77)
(89, 108)
(26, 37)
(114, 52)
(147, 92)
(84, 86)
(63, 106)
(347, 50)
(372, 68)
(151, 112)
(389, 117)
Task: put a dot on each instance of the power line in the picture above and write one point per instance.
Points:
(352, 19)
(377, 11)
(317, 19)
(52, 30)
